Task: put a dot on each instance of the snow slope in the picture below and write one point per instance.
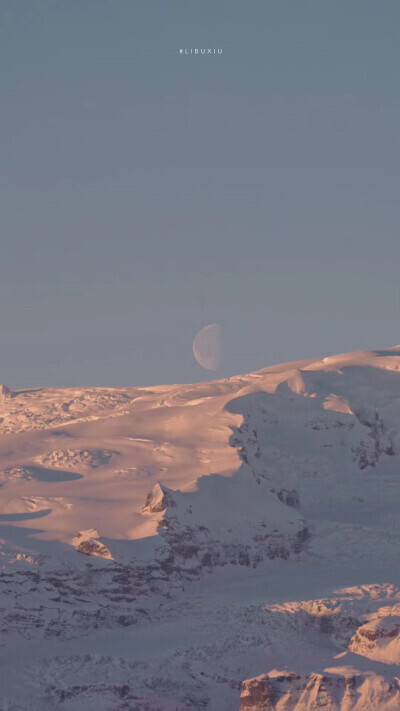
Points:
(159, 546)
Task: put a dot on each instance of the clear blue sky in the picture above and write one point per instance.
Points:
(145, 193)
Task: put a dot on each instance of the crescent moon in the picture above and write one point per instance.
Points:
(207, 346)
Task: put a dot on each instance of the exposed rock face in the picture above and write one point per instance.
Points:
(377, 442)
(5, 392)
(290, 498)
(384, 628)
(158, 499)
(257, 694)
(379, 639)
(282, 691)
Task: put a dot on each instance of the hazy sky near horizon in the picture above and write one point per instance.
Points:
(145, 193)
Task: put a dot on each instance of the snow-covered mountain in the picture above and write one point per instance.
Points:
(225, 545)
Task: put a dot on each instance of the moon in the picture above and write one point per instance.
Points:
(207, 346)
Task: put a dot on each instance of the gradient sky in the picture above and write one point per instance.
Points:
(145, 194)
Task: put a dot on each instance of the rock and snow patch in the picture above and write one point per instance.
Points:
(17, 473)
(158, 499)
(87, 542)
(76, 458)
(233, 520)
(340, 691)
(45, 408)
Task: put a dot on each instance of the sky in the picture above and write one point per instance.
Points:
(145, 193)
